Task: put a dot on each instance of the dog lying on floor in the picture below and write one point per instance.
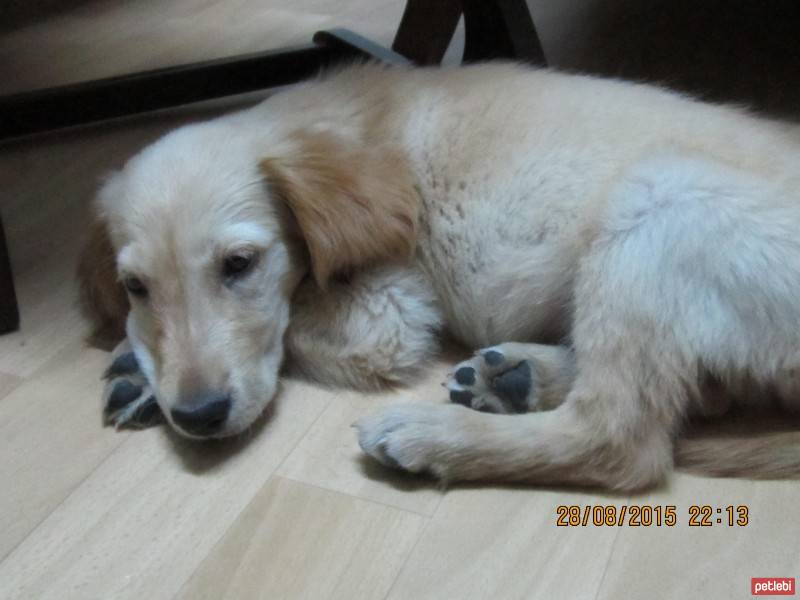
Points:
(621, 256)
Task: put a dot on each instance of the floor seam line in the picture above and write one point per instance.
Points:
(355, 497)
(610, 554)
(246, 506)
(402, 568)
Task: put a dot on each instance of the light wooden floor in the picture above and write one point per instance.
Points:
(293, 511)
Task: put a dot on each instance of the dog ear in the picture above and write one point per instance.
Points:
(102, 297)
(354, 205)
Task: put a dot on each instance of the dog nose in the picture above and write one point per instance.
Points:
(203, 414)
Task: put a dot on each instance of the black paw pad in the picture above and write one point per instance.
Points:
(465, 376)
(493, 358)
(146, 415)
(124, 364)
(514, 385)
(124, 393)
(462, 397)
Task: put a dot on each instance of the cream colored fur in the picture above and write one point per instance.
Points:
(654, 237)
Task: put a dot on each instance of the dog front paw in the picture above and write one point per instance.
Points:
(418, 438)
(128, 400)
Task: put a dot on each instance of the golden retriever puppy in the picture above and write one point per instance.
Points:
(614, 251)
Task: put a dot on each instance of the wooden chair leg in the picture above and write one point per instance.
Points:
(9, 313)
(500, 29)
(426, 29)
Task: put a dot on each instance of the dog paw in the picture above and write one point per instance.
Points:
(128, 400)
(418, 438)
(494, 381)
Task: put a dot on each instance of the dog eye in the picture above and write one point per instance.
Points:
(135, 286)
(238, 264)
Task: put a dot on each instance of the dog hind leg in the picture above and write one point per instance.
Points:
(613, 430)
(665, 290)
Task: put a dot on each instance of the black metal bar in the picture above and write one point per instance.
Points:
(9, 313)
(344, 39)
(65, 106)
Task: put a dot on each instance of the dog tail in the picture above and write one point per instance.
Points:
(771, 455)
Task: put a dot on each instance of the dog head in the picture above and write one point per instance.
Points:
(211, 229)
